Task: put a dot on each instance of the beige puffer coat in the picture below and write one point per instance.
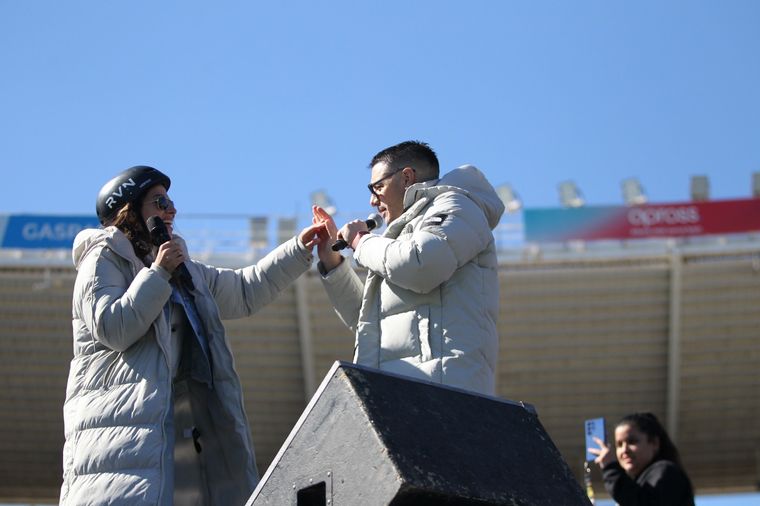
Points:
(119, 391)
(429, 304)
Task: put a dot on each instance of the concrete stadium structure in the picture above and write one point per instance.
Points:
(586, 330)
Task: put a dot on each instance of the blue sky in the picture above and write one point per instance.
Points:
(251, 106)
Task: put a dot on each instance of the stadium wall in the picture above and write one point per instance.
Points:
(584, 333)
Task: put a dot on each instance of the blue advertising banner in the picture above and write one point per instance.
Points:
(51, 232)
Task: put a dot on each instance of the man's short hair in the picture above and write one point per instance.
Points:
(415, 154)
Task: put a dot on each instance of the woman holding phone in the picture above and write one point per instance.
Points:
(645, 468)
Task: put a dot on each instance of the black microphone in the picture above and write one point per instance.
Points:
(159, 235)
(373, 221)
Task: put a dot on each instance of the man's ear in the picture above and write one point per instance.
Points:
(410, 176)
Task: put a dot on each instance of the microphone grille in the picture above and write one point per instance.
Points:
(154, 222)
(377, 218)
(157, 230)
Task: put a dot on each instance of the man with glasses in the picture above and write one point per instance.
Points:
(429, 304)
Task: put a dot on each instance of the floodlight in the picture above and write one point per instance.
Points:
(700, 188)
(570, 195)
(509, 197)
(633, 193)
(322, 199)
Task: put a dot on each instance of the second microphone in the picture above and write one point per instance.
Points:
(159, 235)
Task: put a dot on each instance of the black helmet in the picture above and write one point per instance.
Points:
(127, 187)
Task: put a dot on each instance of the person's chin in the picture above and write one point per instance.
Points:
(629, 467)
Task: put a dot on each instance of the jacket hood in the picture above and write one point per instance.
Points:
(466, 179)
(91, 238)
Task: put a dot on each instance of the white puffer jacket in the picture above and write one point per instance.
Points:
(119, 391)
(429, 305)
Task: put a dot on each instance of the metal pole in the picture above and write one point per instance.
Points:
(674, 345)
(304, 336)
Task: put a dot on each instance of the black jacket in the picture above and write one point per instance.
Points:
(661, 484)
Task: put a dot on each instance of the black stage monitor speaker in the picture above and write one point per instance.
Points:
(370, 438)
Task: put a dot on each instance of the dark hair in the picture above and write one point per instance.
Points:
(129, 221)
(648, 424)
(415, 154)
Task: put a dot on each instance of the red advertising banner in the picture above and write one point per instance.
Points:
(643, 221)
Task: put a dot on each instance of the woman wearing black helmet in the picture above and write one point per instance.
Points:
(644, 469)
(154, 411)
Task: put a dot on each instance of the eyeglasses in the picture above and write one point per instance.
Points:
(375, 187)
(163, 202)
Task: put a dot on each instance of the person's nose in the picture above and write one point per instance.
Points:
(374, 201)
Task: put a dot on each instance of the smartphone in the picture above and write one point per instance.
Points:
(594, 428)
